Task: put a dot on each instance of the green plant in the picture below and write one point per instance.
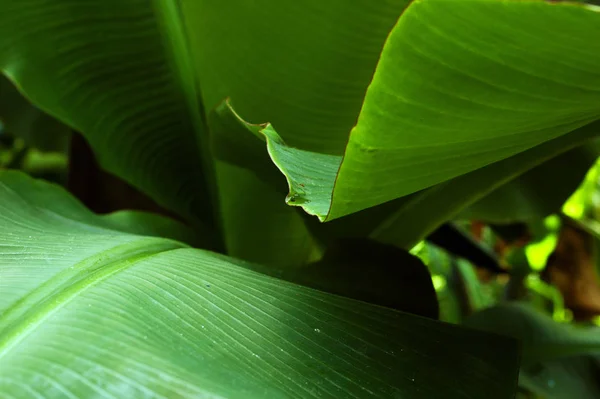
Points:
(252, 123)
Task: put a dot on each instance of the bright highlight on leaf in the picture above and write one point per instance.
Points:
(439, 282)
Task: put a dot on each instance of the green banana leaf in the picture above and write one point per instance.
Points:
(452, 92)
(559, 361)
(88, 309)
(402, 222)
(387, 99)
(419, 214)
(120, 73)
(539, 192)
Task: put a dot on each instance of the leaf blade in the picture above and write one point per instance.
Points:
(124, 83)
(182, 322)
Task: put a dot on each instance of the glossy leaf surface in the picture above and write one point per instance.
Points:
(91, 311)
(452, 93)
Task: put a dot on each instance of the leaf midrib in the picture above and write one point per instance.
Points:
(24, 316)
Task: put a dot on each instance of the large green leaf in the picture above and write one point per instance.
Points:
(119, 72)
(452, 92)
(88, 311)
(559, 361)
(539, 192)
(466, 84)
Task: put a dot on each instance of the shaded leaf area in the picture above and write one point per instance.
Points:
(98, 190)
(558, 360)
(372, 272)
(104, 193)
(452, 93)
(23, 120)
(564, 379)
(305, 66)
(540, 191)
(125, 83)
(91, 311)
(256, 224)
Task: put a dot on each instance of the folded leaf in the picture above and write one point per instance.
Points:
(88, 311)
(461, 85)
(402, 222)
(256, 224)
(457, 87)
